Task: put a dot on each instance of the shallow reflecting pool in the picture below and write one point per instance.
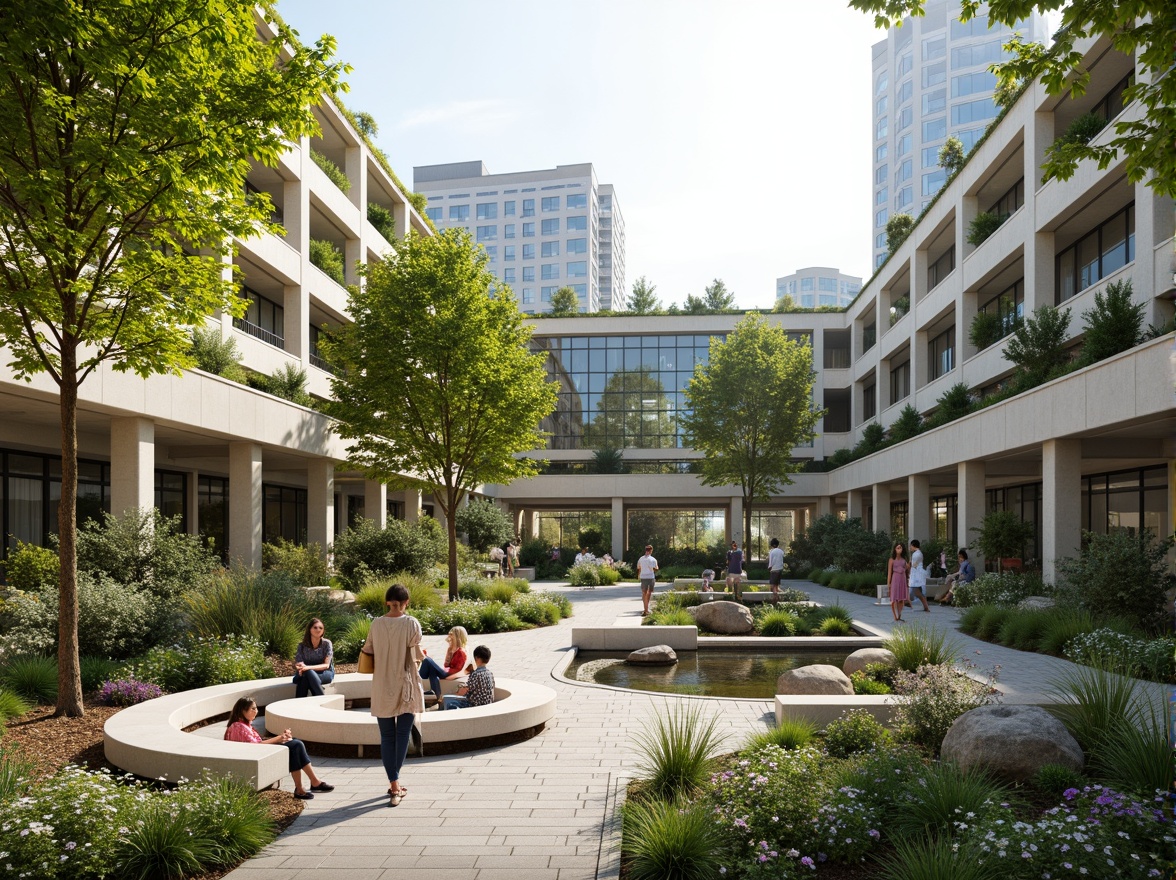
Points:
(711, 672)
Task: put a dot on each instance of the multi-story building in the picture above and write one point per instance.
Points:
(1093, 449)
(543, 230)
(237, 465)
(819, 286)
(930, 80)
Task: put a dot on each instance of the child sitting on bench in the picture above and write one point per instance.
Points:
(479, 687)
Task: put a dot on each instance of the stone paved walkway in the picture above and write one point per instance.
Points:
(539, 810)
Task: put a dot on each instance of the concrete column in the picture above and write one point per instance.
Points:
(192, 484)
(736, 530)
(618, 528)
(353, 167)
(353, 254)
(411, 498)
(132, 465)
(881, 504)
(320, 502)
(1061, 503)
(375, 502)
(528, 531)
(296, 322)
(854, 504)
(970, 505)
(245, 503)
(919, 507)
(824, 506)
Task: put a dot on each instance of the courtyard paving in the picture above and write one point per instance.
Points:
(542, 809)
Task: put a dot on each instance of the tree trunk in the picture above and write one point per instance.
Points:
(747, 531)
(451, 527)
(69, 675)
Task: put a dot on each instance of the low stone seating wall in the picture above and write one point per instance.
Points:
(517, 706)
(821, 709)
(148, 739)
(630, 638)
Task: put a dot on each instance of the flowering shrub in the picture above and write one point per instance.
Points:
(931, 699)
(1106, 648)
(128, 692)
(592, 574)
(855, 731)
(204, 661)
(1097, 832)
(1005, 590)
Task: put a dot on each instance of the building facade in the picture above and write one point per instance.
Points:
(819, 286)
(1094, 449)
(930, 80)
(542, 230)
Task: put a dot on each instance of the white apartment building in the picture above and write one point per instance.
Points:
(542, 230)
(930, 80)
(819, 286)
(1094, 449)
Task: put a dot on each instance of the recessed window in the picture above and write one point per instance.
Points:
(551, 227)
(578, 269)
(508, 208)
(941, 268)
(487, 233)
(508, 275)
(434, 214)
(942, 353)
(1103, 250)
(934, 74)
(508, 252)
(459, 213)
(935, 129)
(549, 249)
(972, 111)
(577, 245)
(975, 56)
(973, 84)
(528, 273)
(529, 230)
(508, 230)
(528, 207)
(935, 102)
(488, 211)
(904, 93)
(576, 224)
(550, 271)
(579, 200)
(528, 295)
(551, 203)
(528, 252)
(880, 152)
(904, 146)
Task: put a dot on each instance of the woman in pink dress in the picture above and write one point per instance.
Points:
(896, 576)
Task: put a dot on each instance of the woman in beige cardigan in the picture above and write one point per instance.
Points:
(394, 641)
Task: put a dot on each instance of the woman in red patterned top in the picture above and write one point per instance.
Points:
(240, 729)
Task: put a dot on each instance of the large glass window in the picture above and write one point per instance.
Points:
(904, 146)
(550, 271)
(212, 513)
(508, 208)
(509, 275)
(1008, 306)
(983, 81)
(487, 233)
(263, 318)
(488, 211)
(171, 495)
(577, 245)
(434, 214)
(459, 213)
(528, 207)
(551, 227)
(933, 182)
(934, 102)
(900, 382)
(941, 268)
(528, 252)
(676, 528)
(973, 111)
(935, 129)
(283, 514)
(508, 252)
(562, 528)
(975, 55)
(578, 269)
(576, 224)
(976, 26)
(942, 352)
(1128, 501)
(1103, 250)
(577, 200)
(528, 230)
(934, 48)
(528, 273)
(869, 402)
(551, 203)
(549, 249)
(904, 93)
(934, 74)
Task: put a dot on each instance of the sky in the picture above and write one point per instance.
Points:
(737, 133)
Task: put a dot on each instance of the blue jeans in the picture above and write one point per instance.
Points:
(394, 736)
(434, 672)
(455, 702)
(312, 682)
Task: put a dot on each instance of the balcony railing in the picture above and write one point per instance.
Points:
(260, 332)
(317, 361)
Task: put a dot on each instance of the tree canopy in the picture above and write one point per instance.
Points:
(565, 303)
(643, 299)
(1142, 29)
(436, 387)
(748, 407)
(126, 130)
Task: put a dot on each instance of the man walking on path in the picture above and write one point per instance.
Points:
(735, 570)
(646, 568)
(775, 567)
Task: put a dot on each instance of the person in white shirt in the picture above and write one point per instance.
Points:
(646, 568)
(775, 567)
(584, 556)
(918, 579)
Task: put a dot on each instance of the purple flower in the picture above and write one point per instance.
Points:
(1070, 793)
(807, 862)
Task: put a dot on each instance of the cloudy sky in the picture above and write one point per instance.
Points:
(736, 132)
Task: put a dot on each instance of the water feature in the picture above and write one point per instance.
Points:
(711, 672)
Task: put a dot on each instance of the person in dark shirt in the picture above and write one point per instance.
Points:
(478, 689)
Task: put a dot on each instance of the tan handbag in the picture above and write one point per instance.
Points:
(367, 663)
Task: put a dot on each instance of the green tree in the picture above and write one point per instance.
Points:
(484, 525)
(898, 227)
(1141, 29)
(1036, 344)
(785, 304)
(951, 155)
(366, 123)
(126, 130)
(436, 385)
(908, 424)
(717, 297)
(1115, 323)
(643, 300)
(634, 412)
(694, 305)
(748, 407)
(565, 303)
(1002, 534)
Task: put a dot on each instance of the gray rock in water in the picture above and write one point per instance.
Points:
(1011, 742)
(857, 661)
(820, 679)
(655, 655)
(725, 618)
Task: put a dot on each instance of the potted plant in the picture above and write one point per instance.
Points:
(1001, 536)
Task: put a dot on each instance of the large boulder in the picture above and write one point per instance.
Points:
(655, 655)
(725, 618)
(859, 659)
(820, 679)
(1011, 742)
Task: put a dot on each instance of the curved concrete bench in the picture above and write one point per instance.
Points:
(517, 706)
(148, 739)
